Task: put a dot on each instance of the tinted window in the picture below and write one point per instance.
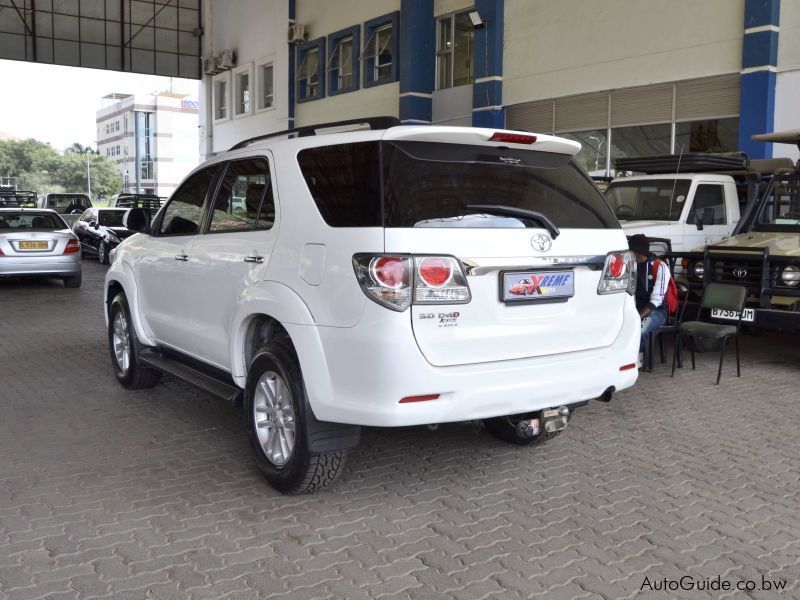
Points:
(111, 218)
(245, 200)
(432, 185)
(709, 204)
(183, 214)
(344, 181)
(650, 200)
(33, 221)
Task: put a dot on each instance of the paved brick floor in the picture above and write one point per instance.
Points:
(112, 494)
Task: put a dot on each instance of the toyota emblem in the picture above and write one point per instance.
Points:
(541, 242)
(740, 272)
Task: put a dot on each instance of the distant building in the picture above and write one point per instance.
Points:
(153, 138)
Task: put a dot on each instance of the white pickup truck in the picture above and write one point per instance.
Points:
(690, 209)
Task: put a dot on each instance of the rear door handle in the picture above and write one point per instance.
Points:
(254, 259)
(182, 257)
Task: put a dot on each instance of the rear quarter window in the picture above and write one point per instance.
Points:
(344, 181)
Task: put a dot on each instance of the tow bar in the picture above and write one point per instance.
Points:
(551, 420)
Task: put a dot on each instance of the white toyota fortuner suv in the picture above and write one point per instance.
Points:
(389, 276)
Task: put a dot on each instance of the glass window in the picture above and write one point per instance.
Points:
(709, 205)
(650, 200)
(308, 75)
(640, 140)
(713, 135)
(594, 149)
(456, 38)
(266, 92)
(184, 212)
(378, 55)
(434, 184)
(242, 93)
(782, 208)
(110, 218)
(340, 65)
(221, 100)
(68, 203)
(30, 220)
(344, 181)
(245, 201)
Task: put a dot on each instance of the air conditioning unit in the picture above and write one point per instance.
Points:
(226, 60)
(296, 33)
(211, 65)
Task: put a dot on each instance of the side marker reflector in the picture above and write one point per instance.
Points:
(627, 367)
(419, 398)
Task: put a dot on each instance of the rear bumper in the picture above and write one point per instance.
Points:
(355, 376)
(67, 265)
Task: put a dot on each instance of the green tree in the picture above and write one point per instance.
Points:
(38, 166)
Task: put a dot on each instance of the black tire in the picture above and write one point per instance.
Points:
(135, 376)
(102, 253)
(305, 471)
(505, 428)
(73, 282)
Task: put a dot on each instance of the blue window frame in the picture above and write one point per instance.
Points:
(342, 70)
(381, 49)
(308, 76)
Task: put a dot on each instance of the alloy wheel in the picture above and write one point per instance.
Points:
(274, 418)
(120, 338)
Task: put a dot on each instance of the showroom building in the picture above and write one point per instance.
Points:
(682, 76)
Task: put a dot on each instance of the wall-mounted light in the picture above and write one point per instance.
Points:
(476, 20)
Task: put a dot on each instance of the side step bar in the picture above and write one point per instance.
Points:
(176, 368)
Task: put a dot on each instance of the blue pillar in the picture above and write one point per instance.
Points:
(417, 60)
(759, 67)
(487, 91)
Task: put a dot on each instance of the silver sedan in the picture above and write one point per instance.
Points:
(38, 243)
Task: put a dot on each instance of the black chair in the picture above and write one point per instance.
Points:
(724, 297)
(671, 327)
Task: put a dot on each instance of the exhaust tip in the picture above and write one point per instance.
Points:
(608, 394)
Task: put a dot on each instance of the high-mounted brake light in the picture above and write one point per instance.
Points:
(512, 138)
(72, 246)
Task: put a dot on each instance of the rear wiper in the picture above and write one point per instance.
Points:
(520, 213)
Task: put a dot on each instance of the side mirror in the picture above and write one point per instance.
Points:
(93, 223)
(699, 221)
(138, 220)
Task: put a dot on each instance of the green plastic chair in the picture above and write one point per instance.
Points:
(715, 295)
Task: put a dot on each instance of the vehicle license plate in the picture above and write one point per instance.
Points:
(731, 315)
(33, 245)
(535, 286)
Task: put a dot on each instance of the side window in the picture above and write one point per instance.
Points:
(245, 201)
(86, 216)
(183, 214)
(709, 205)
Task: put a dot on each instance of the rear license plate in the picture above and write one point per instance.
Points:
(33, 245)
(536, 286)
(749, 314)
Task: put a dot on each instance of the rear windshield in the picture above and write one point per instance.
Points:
(436, 185)
(30, 221)
(67, 203)
(648, 200)
(111, 218)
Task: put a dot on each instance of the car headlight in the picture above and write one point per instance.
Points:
(697, 270)
(791, 276)
(113, 238)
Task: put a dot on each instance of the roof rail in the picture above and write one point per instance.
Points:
(373, 122)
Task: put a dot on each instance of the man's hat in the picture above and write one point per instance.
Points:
(639, 243)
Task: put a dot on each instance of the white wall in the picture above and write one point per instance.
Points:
(789, 41)
(255, 29)
(378, 101)
(787, 110)
(322, 17)
(555, 49)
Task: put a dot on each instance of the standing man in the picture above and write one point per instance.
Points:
(651, 288)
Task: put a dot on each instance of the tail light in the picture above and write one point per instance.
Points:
(439, 280)
(72, 246)
(1, 252)
(619, 274)
(397, 281)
